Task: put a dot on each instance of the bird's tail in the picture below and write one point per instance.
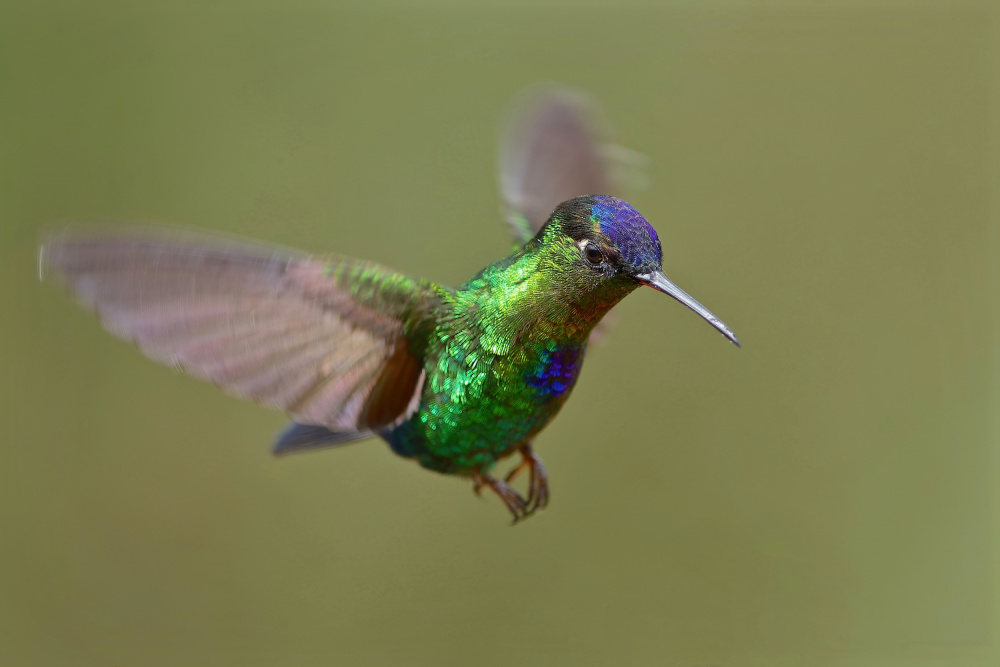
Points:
(304, 437)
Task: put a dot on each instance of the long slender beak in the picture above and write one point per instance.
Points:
(660, 282)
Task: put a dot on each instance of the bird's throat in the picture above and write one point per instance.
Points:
(542, 296)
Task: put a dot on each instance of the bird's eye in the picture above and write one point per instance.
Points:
(593, 253)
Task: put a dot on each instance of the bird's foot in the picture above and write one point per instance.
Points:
(538, 484)
(511, 498)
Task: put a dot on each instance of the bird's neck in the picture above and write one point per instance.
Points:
(540, 292)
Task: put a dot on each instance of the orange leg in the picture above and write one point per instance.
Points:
(538, 485)
(514, 502)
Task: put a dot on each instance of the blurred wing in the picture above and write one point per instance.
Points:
(320, 338)
(553, 147)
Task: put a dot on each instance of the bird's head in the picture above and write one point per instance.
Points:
(610, 246)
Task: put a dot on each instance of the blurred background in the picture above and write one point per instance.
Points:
(823, 177)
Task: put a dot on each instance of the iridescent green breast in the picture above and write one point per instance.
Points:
(505, 354)
(478, 405)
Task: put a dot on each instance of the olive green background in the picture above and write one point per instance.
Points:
(824, 177)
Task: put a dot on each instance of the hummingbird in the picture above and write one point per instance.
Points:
(456, 378)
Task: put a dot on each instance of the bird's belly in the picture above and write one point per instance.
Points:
(469, 419)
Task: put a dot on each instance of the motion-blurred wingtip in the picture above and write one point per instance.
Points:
(42, 253)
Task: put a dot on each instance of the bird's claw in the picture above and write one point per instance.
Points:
(538, 486)
(511, 498)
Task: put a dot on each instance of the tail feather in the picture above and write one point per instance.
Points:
(305, 437)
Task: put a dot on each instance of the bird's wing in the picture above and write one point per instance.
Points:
(324, 339)
(554, 146)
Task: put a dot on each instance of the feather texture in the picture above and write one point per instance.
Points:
(321, 338)
(555, 146)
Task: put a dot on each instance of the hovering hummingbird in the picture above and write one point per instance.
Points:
(456, 378)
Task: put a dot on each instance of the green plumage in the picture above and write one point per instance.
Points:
(454, 378)
(490, 338)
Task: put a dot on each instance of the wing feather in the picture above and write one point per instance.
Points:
(551, 150)
(313, 336)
